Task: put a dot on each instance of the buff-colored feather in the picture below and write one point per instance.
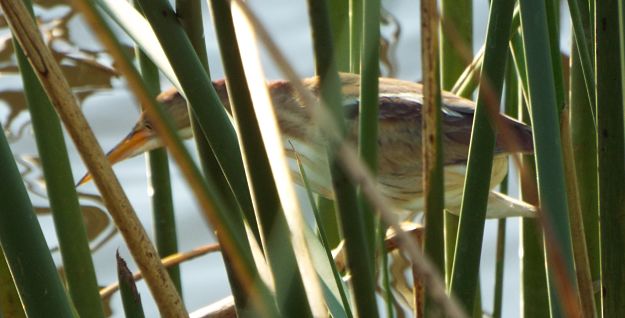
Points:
(399, 141)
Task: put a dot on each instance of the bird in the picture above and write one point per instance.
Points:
(399, 173)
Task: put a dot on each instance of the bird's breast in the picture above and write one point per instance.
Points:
(399, 174)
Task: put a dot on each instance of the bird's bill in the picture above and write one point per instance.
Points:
(135, 143)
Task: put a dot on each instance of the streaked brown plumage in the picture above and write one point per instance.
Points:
(399, 140)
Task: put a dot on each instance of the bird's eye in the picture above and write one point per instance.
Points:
(148, 125)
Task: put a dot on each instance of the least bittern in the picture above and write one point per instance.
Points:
(399, 174)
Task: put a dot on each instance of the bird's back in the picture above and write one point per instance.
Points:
(399, 116)
(399, 137)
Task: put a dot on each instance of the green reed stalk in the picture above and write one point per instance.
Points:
(323, 238)
(10, 304)
(584, 143)
(216, 127)
(165, 236)
(358, 254)
(584, 140)
(190, 12)
(355, 34)
(131, 299)
(289, 285)
(466, 266)
(549, 162)
(329, 220)
(340, 23)
(516, 49)
(25, 249)
(165, 233)
(66, 212)
(203, 100)
(511, 106)
(339, 12)
(231, 235)
(468, 81)
(368, 110)
(553, 23)
(456, 39)
(582, 25)
(57, 88)
(534, 294)
(191, 20)
(385, 284)
(432, 145)
(610, 142)
(456, 51)
(580, 252)
(499, 263)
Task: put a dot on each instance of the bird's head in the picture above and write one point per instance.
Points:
(143, 137)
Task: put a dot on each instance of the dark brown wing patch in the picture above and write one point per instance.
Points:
(390, 108)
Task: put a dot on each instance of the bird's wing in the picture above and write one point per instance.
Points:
(457, 123)
(512, 135)
(400, 122)
(391, 107)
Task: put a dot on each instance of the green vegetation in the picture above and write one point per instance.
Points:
(276, 264)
